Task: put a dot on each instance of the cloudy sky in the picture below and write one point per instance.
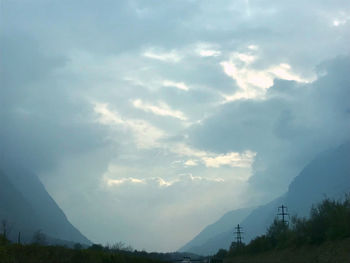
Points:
(147, 120)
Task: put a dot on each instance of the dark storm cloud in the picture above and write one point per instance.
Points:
(40, 122)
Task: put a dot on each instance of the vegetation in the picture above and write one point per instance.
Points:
(329, 221)
(37, 252)
(40, 251)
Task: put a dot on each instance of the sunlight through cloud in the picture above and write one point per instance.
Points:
(146, 135)
(171, 56)
(252, 82)
(178, 85)
(162, 109)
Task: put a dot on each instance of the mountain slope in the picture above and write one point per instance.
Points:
(199, 245)
(26, 205)
(328, 175)
(15, 210)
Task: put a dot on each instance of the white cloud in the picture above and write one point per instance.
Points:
(252, 82)
(232, 159)
(340, 19)
(214, 160)
(146, 135)
(207, 50)
(178, 85)
(339, 22)
(191, 163)
(184, 150)
(191, 178)
(209, 53)
(113, 182)
(156, 181)
(172, 56)
(245, 57)
(161, 109)
(253, 47)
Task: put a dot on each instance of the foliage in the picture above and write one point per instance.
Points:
(221, 254)
(3, 240)
(34, 253)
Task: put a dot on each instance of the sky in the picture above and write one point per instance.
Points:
(148, 120)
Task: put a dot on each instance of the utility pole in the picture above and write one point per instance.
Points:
(238, 234)
(283, 212)
(19, 238)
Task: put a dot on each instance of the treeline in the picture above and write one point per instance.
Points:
(328, 221)
(40, 251)
(34, 253)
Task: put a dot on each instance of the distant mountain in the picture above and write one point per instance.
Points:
(201, 244)
(27, 208)
(328, 175)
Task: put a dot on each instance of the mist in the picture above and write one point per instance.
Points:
(146, 121)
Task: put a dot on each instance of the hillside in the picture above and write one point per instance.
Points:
(208, 240)
(27, 207)
(335, 251)
(327, 175)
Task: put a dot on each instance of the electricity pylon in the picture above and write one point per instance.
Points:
(238, 234)
(283, 212)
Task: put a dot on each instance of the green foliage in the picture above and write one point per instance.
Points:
(96, 247)
(329, 220)
(259, 244)
(278, 234)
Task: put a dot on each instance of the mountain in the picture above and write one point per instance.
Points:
(200, 245)
(328, 175)
(15, 210)
(27, 207)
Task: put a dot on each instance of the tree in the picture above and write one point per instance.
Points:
(78, 246)
(221, 253)
(278, 233)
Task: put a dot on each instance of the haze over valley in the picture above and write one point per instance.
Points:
(164, 124)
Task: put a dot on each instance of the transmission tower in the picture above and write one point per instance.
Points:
(238, 234)
(283, 213)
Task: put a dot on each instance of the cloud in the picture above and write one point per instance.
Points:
(162, 109)
(158, 181)
(252, 82)
(207, 50)
(178, 85)
(231, 159)
(145, 134)
(148, 137)
(287, 129)
(111, 182)
(191, 163)
(171, 56)
(214, 160)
